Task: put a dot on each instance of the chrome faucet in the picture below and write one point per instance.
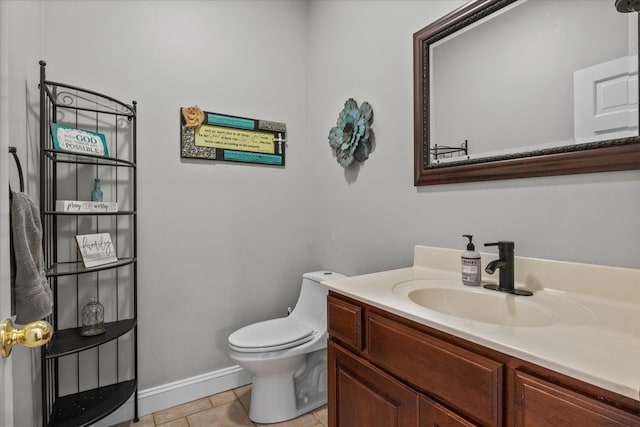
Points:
(505, 263)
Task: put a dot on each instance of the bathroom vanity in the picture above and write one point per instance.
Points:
(412, 347)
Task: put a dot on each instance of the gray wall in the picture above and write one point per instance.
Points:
(222, 245)
(367, 219)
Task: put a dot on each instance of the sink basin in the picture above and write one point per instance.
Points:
(483, 307)
(449, 297)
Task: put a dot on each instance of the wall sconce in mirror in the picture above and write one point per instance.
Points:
(541, 88)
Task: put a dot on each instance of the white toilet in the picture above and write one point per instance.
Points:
(287, 356)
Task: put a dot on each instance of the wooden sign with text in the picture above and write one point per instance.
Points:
(81, 141)
(212, 136)
(96, 249)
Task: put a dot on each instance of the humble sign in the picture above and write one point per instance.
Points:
(81, 141)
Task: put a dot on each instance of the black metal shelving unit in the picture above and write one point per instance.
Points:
(84, 379)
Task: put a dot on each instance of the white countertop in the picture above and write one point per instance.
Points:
(601, 346)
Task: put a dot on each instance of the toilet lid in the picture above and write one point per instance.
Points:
(271, 335)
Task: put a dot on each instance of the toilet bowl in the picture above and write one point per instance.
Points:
(287, 356)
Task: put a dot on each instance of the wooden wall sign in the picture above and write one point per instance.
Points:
(96, 249)
(81, 141)
(214, 136)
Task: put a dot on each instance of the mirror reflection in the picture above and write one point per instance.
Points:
(536, 74)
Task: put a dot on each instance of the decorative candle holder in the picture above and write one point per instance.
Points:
(92, 319)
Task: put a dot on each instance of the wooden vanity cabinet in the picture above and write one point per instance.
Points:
(363, 395)
(540, 403)
(346, 322)
(367, 396)
(432, 414)
(387, 371)
(470, 383)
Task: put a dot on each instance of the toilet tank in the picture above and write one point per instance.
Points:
(312, 301)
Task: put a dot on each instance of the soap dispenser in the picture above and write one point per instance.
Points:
(471, 264)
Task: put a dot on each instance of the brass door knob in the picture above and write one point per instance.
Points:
(34, 334)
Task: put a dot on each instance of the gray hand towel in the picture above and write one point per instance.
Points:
(33, 297)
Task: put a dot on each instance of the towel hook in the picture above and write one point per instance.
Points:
(14, 152)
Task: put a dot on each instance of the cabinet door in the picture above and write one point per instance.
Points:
(539, 403)
(362, 395)
(433, 414)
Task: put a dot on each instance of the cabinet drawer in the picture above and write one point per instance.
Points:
(469, 383)
(434, 414)
(345, 322)
(540, 403)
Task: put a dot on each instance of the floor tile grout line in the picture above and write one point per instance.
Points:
(186, 415)
(237, 400)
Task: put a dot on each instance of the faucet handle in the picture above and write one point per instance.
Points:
(505, 248)
(502, 244)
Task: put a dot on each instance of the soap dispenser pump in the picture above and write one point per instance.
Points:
(471, 264)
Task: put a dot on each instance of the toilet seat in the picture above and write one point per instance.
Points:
(271, 335)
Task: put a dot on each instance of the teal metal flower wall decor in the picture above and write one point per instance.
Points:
(351, 139)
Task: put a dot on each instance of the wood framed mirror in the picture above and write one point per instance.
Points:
(461, 118)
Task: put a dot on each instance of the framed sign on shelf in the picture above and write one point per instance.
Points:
(213, 136)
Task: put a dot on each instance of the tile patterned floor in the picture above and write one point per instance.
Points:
(227, 409)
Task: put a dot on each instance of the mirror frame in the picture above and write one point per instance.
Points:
(601, 156)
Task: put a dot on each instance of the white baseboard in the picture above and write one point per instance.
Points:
(176, 393)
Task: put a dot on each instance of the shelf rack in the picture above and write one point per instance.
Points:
(84, 379)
